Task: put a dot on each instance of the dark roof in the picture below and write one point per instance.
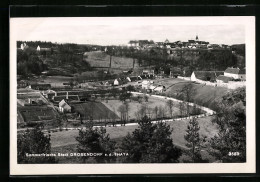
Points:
(208, 75)
(242, 71)
(235, 71)
(41, 85)
(225, 79)
(133, 41)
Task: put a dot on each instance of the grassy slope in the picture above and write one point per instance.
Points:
(205, 95)
(100, 111)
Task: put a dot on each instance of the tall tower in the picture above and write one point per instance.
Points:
(197, 38)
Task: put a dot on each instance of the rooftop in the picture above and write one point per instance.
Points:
(225, 79)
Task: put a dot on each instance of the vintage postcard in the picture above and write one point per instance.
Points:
(132, 95)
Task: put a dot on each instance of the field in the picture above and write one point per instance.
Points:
(135, 106)
(56, 81)
(170, 82)
(99, 59)
(97, 109)
(65, 141)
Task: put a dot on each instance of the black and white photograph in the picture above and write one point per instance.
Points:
(134, 94)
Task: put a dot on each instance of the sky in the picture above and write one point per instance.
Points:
(119, 31)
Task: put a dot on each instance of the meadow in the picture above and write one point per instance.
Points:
(65, 142)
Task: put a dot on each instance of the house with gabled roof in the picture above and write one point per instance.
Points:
(235, 73)
(205, 75)
(64, 106)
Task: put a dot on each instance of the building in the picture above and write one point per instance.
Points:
(133, 78)
(205, 75)
(159, 89)
(148, 72)
(133, 43)
(42, 49)
(64, 106)
(141, 43)
(23, 46)
(146, 84)
(175, 72)
(236, 73)
(116, 82)
(22, 84)
(223, 79)
(166, 41)
(37, 86)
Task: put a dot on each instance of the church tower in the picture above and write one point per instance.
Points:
(197, 38)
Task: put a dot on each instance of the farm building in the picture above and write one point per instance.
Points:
(159, 89)
(31, 101)
(175, 72)
(46, 93)
(205, 75)
(42, 49)
(116, 82)
(21, 84)
(236, 73)
(72, 98)
(148, 72)
(120, 81)
(133, 78)
(24, 46)
(223, 79)
(40, 86)
(146, 84)
(128, 79)
(64, 106)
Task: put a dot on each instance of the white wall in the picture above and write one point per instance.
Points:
(235, 76)
(193, 77)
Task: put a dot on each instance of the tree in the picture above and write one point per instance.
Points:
(150, 143)
(124, 95)
(34, 142)
(94, 140)
(139, 98)
(130, 88)
(127, 110)
(161, 112)
(229, 145)
(146, 98)
(181, 108)
(156, 109)
(170, 105)
(122, 111)
(193, 140)
(187, 93)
